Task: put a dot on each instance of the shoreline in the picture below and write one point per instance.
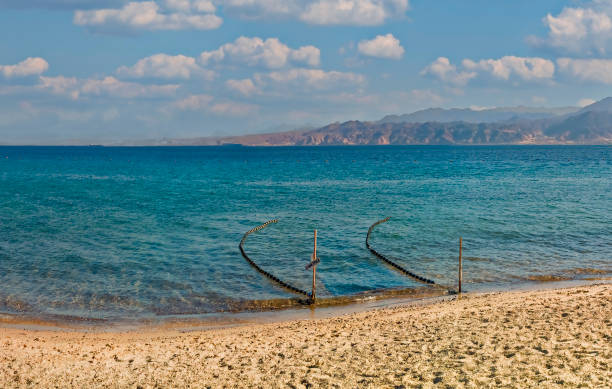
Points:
(291, 309)
(553, 337)
(342, 305)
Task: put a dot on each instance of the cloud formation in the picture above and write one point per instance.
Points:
(110, 86)
(60, 4)
(32, 66)
(581, 30)
(165, 66)
(105, 87)
(353, 12)
(270, 53)
(320, 12)
(194, 102)
(528, 69)
(445, 71)
(149, 15)
(207, 103)
(505, 68)
(383, 46)
(309, 79)
(588, 70)
(245, 87)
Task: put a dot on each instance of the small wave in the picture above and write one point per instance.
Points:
(548, 278)
(587, 270)
(191, 307)
(570, 274)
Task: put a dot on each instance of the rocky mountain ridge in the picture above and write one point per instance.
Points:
(589, 125)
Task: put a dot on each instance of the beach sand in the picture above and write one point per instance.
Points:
(551, 338)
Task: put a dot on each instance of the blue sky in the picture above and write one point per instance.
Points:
(112, 70)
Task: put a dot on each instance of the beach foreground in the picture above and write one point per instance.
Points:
(547, 338)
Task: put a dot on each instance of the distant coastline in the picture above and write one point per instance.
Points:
(591, 125)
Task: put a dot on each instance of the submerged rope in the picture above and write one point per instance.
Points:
(390, 262)
(262, 271)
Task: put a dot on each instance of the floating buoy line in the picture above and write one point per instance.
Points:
(271, 276)
(310, 296)
(388, 261)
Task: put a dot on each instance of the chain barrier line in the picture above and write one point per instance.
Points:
(262, 271)
(390, 262)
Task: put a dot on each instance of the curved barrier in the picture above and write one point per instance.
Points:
(262, 271)
(390, 262)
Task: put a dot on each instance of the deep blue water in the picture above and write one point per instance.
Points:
(139, 232)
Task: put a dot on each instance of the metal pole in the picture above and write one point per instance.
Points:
(460, 264)
(314, 268)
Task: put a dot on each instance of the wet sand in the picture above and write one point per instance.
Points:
(551, 338)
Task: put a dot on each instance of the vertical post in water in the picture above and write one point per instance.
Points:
(460, 264)
(314, 269)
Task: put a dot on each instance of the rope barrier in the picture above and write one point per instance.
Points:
(262, 271)
(390, 262)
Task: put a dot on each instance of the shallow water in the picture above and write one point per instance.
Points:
(142, 232)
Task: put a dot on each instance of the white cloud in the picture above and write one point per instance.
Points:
(582, 30)
(443, 70)
(308, 55)
(194, 102)
(528, 69)
(60, 85)
(257, 9)
(191, 5)
(383, 46)
(589, 70)
(353, 12)
(207, 103)
(148, 15)
(505, 68)
(309, 78)
(32, 66)
(108, 86)
(59, 4)
(584, 102)
(245, 87)
(270, 53)
(165, 66)
(321, 12)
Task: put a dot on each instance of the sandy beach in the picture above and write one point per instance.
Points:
(551, 338)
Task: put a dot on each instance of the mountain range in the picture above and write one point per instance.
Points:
(436, 126)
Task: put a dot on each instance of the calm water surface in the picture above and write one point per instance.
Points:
(142, 232)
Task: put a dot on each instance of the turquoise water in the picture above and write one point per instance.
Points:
(146, 232)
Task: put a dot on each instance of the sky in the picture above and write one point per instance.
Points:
(89, 71)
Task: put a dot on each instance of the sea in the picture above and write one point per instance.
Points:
(115, 233)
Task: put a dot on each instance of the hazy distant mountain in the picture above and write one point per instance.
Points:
(602, 105)
(367, 133)
(478, 116)
(589, 125)
(586, 127)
